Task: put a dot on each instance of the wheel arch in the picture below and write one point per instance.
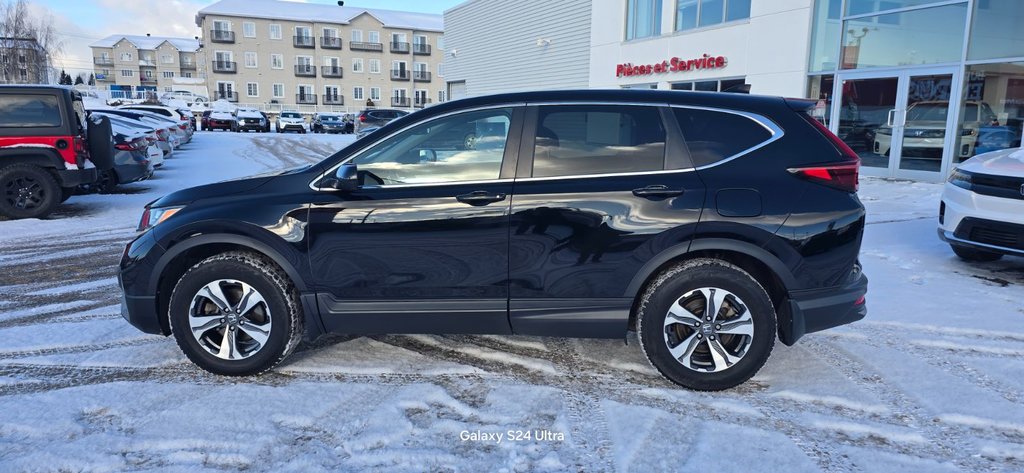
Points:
(762, 265)
(42, 157)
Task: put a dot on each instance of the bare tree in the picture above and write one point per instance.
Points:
(27, 43)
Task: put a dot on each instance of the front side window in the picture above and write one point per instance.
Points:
(643, 18)
(712, 136)
(464, 147)
(598, 139)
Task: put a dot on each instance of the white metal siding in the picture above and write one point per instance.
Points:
(493, 45)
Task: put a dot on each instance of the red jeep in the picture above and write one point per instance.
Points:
(47, 148)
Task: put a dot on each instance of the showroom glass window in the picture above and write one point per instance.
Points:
(825, 32)
(992, 110)
(463, 147)
(996, 30)
(598, 139)
(643, 18)
(699, 13)
(907, 38)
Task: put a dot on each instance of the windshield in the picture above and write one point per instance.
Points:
(928, 112)
(290, 115)
(330, 118)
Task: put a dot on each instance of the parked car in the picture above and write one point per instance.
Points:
(250, 119)
(158, 135)
(329, 123)
(981, 215)
(182, 117)
(376, 117)
(221, 121)
(131, 160)
(187, 96)
(168, 132)
(995, 138)
(709, 223)
(266, 122)
(924, 135)
(366, 131)
(291, 121)
(47, 148)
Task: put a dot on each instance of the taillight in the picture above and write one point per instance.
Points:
(162, 135)
(843, 175)
(182, 126)
(124, 147)
(362, 118)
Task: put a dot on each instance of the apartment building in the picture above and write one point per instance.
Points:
(147, 63)
(23, 61)
(275, 54)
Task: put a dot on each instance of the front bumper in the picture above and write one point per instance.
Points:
(138, 297)
(817, 310)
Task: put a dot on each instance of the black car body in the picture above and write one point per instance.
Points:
(376, 117)
(330, 123)
(592, 201)
(250, 120)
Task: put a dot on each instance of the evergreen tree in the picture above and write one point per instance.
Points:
(79, 80)
(65, 79)
(92, 79)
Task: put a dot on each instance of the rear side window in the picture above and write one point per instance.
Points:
(713, 136)
(598, 139)
(26, 111)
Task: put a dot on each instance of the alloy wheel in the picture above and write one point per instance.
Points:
(230, 319)
(708, 329)
(24, 192)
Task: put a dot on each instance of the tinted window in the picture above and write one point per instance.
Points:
(598, 139)
(464, 147)
(290, 115)
(29, 111)
(713, 136)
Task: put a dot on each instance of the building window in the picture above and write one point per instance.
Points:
(252, 89)
(303, 31)
(167, 59)
(275, 31)
(374, 36)
(357, 36)
(440, 96)
(374, 66)
(220, 25)
(186, 74)
(168, 75)
(249, 29)
(925, 36)
(995, 30)
(127, 73)
(250, 60)
(697, 13)
(124, 57)
(278, 90)
(722, 85)
(375, 94)
(277, 61)
(148, 73)
(357, 64)
(330, 32)
(440, 70)
(440, 42)
(357, 93)
(643, 18)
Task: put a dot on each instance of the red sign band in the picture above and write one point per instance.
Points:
(675, 64)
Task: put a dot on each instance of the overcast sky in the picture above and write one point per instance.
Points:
(82, 22)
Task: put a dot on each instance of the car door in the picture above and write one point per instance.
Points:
(600, 190)
(422, 245)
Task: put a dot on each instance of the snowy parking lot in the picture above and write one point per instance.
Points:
(932, 380)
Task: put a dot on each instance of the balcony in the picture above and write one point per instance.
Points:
(399, 47)
(147, 80)
(361, 46)
(330, 42)
(305, 99)
(189, 66)
(399, 74)
(103, 61)
(421, 76)
(331, 71)
(305, 70)
(400, 102)
(229, 95)
(222, 36)
(333, 99)
(304, 41)
(421, 49)
(225, 67)
(421, 102)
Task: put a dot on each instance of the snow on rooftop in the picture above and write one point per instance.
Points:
(326, 13)
(148, 42)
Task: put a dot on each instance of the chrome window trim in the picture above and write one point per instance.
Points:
(431, 184)
(359, 153)
(610, 174)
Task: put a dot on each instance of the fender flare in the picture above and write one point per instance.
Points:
(702, 244)
(43, 157)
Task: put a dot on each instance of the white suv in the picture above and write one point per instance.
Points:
(982, 211)
(291, 121)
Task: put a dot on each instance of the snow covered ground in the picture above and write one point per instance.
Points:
(932, 380)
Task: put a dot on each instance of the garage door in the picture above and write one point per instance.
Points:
(456, 90)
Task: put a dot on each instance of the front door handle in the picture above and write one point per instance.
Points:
(480, 198)
(657, 191)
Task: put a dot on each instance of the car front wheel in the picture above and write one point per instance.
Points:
(706, 325)
(236, 314)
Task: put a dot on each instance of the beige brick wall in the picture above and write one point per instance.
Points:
(114, 74)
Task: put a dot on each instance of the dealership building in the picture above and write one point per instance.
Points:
(913, 86)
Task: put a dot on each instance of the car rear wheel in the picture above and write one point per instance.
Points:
(235, 314)
(706, 325)
(27, 191)
(970, 254)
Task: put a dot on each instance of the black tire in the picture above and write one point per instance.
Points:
(279, 294)
(970, 254)
(107, 182)
(669, 287)
(27, 191)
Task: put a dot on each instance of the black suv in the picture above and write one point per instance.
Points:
(709, 223)
(376, 117)
(47, 148)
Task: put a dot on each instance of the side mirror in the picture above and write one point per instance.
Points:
(428, 155)
(345, 179)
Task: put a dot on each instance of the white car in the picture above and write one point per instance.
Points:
(982, 211)
(181, 117)
(186, 96)
(291, 121)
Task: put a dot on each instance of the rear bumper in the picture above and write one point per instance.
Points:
(76, 177)
(814, 311)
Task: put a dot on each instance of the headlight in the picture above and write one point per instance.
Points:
(960, 179)
(153, 216)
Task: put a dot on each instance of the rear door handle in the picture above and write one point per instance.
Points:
(657, 191)
(480, 198)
